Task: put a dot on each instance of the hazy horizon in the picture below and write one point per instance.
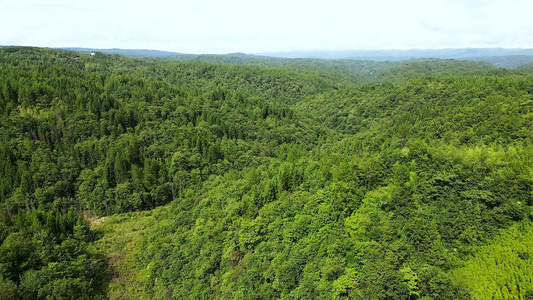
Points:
(215, 27)
(279, 51)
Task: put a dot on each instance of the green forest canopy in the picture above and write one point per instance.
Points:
(292, 179)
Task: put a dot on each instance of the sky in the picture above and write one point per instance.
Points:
(215, 26)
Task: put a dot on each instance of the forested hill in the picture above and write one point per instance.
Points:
(499, 57)
(250, 178)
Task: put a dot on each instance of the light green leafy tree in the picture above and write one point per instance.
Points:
(345, 287)
(412, 280)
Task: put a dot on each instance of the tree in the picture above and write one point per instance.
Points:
(410, 277)
(346, 286)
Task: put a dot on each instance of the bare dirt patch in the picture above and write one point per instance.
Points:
(93, 220)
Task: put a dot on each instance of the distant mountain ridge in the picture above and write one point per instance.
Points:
(454, 53)
(127, 52)
(499, 57)
(154, 53)
(509, 61)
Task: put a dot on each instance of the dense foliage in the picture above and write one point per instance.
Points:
(293, 179)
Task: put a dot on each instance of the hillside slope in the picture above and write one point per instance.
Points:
(261, 179)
